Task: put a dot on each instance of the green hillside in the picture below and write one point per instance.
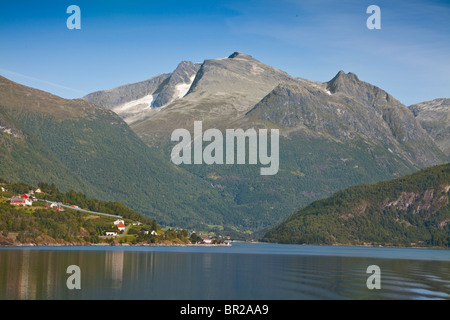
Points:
(412, 210)
(78, 145)
(38, 224)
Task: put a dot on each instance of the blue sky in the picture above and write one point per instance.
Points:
(129, 41)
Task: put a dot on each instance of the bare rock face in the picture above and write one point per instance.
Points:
(178, 84)
(347, 109)
(130, 92)
(434, 117)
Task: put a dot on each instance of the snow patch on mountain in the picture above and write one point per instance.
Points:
(183, 88)
(146, 101)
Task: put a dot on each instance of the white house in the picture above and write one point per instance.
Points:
(111, 233)
(21, 201)
(118, 221)
(55, 206)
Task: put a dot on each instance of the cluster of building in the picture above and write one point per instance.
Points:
(27, 199)
(120, 227)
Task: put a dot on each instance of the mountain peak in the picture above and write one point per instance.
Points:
(342, 81)
(240, 55)
(347, 76)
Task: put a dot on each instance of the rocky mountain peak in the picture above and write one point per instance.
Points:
(342, 82)
(240, 55)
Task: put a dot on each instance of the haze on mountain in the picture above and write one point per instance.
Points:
(334, 134)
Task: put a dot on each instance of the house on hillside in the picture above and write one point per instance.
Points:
(55, 206)
(111, 233)
(145, 231)
(20, 201)
(121, 226)
(118, 221)
(38, 190)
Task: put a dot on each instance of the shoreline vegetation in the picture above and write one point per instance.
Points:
(174, 244)
(105, 244)
(180, 244)
(44, 216)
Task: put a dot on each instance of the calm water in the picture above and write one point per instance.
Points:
(242, 271)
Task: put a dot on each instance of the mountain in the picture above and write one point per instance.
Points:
(88, 148)
(434, 117)
(333, 135)
(133, 101)
(410, 211)
(347, 109)
(220, 88)
(25, 157)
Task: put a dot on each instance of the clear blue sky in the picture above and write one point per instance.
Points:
(128, 41)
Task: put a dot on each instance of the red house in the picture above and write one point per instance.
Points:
(121, 226)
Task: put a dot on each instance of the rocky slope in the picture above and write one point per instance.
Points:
(135, 101)
(348, 109)
(434, 117)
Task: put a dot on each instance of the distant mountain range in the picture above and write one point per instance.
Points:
(115, 143)
(410, 211)
(334, 134)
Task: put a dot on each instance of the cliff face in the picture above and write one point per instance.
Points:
(430, 200)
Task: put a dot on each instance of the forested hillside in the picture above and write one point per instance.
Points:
(410, 211)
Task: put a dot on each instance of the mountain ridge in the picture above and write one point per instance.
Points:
(356, 134)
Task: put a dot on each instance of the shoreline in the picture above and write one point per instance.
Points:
(60, 245)
(103, 244)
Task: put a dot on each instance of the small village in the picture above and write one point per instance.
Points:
(121, 229)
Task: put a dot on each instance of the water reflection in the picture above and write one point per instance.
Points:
(157, 274)
(114, 263)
